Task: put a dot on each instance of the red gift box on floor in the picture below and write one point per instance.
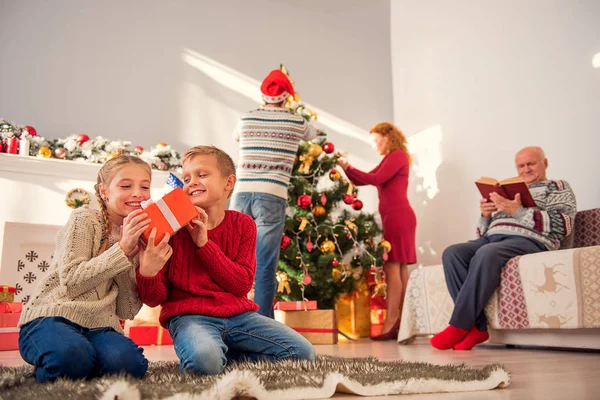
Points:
(9, 320)
(9, 339)
(296, 305)
(7, 293)
(169, 214)
(7, 307)
(144, 335)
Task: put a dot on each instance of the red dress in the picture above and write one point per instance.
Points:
(399, 220)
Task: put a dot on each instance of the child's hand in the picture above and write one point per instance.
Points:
(197, 228)
(153, 257)
(133, 226)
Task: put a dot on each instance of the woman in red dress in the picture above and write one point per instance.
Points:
(399, 220)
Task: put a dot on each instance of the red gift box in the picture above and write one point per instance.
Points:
(378, 314)
(7, 307)
(169, 214)
(9, 320)
(9, 339)
(296, 305)
(144, 335)
(7, 293)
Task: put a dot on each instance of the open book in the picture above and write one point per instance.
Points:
(507, 188)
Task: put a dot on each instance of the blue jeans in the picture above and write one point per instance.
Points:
(268, 211)
(472, 272)
(205, 344)
(58, 347)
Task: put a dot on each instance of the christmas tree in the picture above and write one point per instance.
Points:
(329, 247)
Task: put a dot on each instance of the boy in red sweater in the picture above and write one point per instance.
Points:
(203, 288)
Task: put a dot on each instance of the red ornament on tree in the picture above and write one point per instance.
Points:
(328, 148)
(306, 279)
(357, 205)
(323, 199)
(309, 246)
(138, 149)
(82, 138)
(31, 130)
(335, 262)
(348, 199)
(304, 201)
(285, 242)
(348, 235)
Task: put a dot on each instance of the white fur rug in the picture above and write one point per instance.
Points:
(265, 380)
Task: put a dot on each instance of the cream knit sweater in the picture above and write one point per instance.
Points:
(91, 290)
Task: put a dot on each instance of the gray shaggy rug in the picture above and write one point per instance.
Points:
(287, 379)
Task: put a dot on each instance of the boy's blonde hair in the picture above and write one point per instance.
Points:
(224, 161)
(105, 176)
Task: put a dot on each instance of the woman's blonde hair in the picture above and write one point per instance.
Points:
(397, 140)
(105, 176)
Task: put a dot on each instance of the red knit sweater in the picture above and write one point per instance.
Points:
(213, 280)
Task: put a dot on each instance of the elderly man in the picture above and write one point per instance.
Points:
(506, 229)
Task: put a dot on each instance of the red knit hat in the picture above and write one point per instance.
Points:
(276, 87)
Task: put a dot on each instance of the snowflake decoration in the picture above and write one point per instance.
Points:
(20, 265)
(31, 256)
(26, 299)
(43, 266)
(19, 288)
(29, 277)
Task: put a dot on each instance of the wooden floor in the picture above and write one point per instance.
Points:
(535, 374)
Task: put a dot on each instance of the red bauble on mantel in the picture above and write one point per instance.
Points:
(31, 130)
(357, 205)
(82, 138)
(348, 199)
(138, 149)
(328, 148)
(304, 201)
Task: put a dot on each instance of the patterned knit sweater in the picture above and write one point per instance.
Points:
(212, 280)
(269, 141)
(549, 222)
(92, 290)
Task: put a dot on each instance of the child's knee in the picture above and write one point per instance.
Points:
(68, 361)
(131, 362)
(304, 350)
(204, 360)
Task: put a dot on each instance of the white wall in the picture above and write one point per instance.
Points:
(493, 77)
(114, 68)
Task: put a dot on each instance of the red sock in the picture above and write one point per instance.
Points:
(448, 338)
(473, 338)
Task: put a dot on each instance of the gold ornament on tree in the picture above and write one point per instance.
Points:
(336, 274)
(303, 223)
(387, 246)
(315, 150)
(284, 284)
(307, 161)
(327, 246)
(318, 210)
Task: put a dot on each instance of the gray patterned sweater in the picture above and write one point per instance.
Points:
(549, 222)
(91, 289)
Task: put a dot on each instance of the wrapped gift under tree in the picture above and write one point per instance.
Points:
(318, 326)
(354, 313)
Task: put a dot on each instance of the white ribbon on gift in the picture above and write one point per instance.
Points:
(166, 212)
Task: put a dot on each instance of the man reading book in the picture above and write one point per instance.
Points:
(506, 229)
